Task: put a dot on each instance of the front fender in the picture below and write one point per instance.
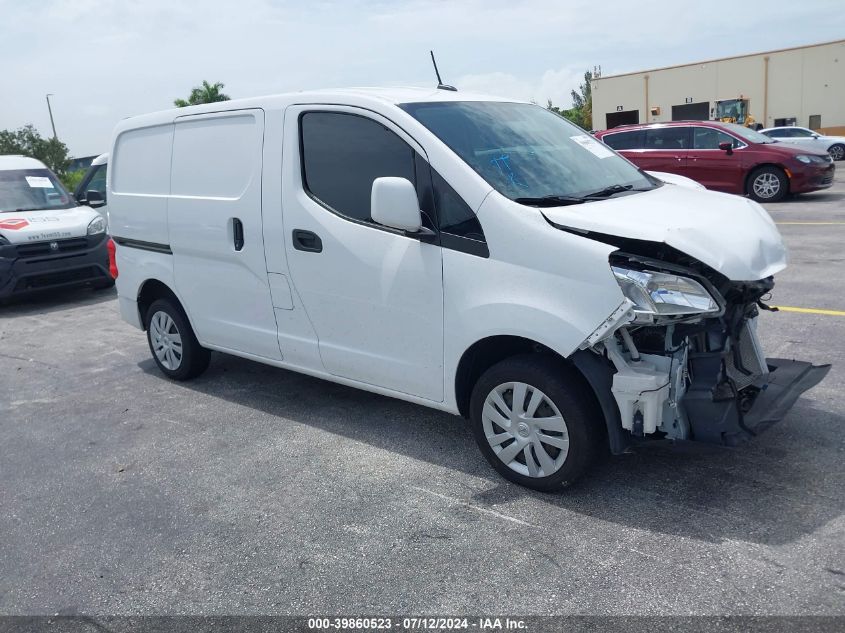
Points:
(538, 283)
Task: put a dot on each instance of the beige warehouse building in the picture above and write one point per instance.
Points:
(802, 86)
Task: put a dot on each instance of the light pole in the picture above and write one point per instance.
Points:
(50, 110)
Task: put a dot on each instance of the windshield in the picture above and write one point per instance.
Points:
(32, 189)
(747, 133)
(526, 152)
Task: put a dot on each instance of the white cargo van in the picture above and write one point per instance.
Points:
(471, 254)
(91, 190)
(47, 240)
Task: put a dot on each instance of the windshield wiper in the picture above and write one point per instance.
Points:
(561, 201)
(550, 201)
(609, 191)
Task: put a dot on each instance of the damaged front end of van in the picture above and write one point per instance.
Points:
(681, 359)
(686, 357)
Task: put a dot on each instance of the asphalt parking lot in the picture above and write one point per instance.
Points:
(256, 490)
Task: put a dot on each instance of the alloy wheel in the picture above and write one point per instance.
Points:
(837, 152)
(525, 429)
(766, 185)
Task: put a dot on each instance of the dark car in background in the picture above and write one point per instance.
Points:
(723, 157)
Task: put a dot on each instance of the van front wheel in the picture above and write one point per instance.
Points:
(174, 347)
(533, 422)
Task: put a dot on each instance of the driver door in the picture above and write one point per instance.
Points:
(373, 294)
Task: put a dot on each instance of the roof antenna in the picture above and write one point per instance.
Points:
(440, 84)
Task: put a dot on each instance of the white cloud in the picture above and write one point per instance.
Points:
(551, 84)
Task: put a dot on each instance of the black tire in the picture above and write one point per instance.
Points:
(194, 358)
(763, 179)
(569, 392)
(837, 151)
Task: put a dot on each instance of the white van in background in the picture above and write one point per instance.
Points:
(91, 190)
(47, 240)
(467, 253)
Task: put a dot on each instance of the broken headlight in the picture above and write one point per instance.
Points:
(664, 294)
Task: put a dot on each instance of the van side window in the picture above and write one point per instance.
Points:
(667, 138)
(454, 215)
(342, 154)
(625, 140)
(709, 138)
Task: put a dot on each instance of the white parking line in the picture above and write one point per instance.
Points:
(475, 507)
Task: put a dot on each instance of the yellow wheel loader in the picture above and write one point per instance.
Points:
(734, 111)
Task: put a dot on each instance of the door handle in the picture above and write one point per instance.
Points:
(307, 241)
(238, 233)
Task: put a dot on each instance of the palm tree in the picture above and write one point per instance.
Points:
(207, 93)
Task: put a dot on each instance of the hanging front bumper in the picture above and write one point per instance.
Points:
(732, 421)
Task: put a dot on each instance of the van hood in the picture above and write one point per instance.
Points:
(731, 234)
(48, 224)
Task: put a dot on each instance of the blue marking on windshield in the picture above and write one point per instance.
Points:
(503, 163)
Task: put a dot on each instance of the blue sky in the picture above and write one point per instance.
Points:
(108, 59)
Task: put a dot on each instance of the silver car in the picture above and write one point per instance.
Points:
(833, 145)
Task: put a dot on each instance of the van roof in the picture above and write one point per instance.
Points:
(338, 96)
(9, 162)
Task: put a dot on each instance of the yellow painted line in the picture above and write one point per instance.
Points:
(812, 223)
(811, 310)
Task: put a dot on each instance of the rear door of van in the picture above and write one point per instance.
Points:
(214, 216)
(664, 149)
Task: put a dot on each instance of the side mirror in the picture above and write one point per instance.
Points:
(393, 203)
(815, 136)
(727, 146)
(94, 199)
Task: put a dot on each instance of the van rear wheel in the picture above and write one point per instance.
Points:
(534, 423)
(173, 344)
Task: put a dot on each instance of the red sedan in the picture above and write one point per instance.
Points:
(724, 157)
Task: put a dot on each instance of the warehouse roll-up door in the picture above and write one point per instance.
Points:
(691, 111)
(626, 117)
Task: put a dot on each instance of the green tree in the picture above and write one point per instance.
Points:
(206, 93)
(551, 107)
(27, 141)
(71, 179)
(581, 112)
(582, 101)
